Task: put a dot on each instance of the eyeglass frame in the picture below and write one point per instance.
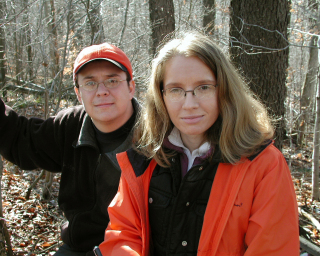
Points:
(103, 82)
(185, 92)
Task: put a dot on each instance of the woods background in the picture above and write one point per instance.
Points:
(274, 43)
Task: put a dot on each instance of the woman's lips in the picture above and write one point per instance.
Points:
(192, 119)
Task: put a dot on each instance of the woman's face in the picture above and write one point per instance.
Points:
(193, 116)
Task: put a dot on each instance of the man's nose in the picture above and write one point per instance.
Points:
(102, 89)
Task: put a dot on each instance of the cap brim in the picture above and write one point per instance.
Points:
(119, 65)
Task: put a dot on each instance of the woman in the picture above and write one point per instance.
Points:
(205, 178)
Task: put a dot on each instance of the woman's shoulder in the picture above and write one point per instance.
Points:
(138, 161)
(267, 149)
(268, 157)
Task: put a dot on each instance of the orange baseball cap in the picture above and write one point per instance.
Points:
(103, 51)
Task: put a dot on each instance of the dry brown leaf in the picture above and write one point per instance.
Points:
(31, 210)
(48, 244)
(21, 198)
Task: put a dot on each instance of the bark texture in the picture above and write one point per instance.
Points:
(209, 15)
(2, 43)
(258, 33)
(162, 21)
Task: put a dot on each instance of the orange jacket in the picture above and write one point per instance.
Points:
(251, 211)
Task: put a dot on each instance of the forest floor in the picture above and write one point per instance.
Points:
(34, 223)
(300, 165)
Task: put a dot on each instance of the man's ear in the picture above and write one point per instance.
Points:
(76, 90)
(132, 88)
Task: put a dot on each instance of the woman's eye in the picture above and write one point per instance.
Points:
(175, 90)
(204, 87)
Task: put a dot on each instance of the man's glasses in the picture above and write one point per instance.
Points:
(201, 92)
(109, 84)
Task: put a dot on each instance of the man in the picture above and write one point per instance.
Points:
(80, 142)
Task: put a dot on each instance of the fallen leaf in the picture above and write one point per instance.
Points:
(21, 198)
(48, 244)
(32, 210)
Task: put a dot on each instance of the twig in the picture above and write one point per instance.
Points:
(35, 244)
(310, 217)
(48, 248)
(34, 184)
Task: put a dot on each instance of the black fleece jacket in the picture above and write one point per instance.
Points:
(66, 143)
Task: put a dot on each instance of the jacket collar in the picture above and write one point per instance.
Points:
(87, 135)
(123, 147)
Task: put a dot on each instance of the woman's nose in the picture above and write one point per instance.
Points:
(190, 100)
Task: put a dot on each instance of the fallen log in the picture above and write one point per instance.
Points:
(26, 83)
(307, 215)
(309, 247)
(22, 89)
(28, 90)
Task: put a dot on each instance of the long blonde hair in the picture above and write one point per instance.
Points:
(243, 124)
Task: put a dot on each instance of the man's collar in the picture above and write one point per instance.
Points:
(87, 135)
(136, 105)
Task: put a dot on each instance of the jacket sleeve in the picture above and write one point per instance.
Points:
(273, 227)
(28, 143)
(123, 234)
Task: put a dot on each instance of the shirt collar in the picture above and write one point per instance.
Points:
(175, 139)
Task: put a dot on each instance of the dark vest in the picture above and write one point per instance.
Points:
(177, 206)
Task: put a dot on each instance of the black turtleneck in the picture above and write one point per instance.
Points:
(110, 141)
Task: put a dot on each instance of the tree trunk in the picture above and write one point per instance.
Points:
(162, 21)
(3, 69)
(5, 243)
(95, 20)
(124, 23)
(209, 15)
(315, 156)
(49, 10)
(309, 86)
(26, 35)
(18, 52)
(308, 92)
(49, 175)
(54, 68)
(30, 55)
(258, 32)
(64, 54)
(55, 52)
(46, 189)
